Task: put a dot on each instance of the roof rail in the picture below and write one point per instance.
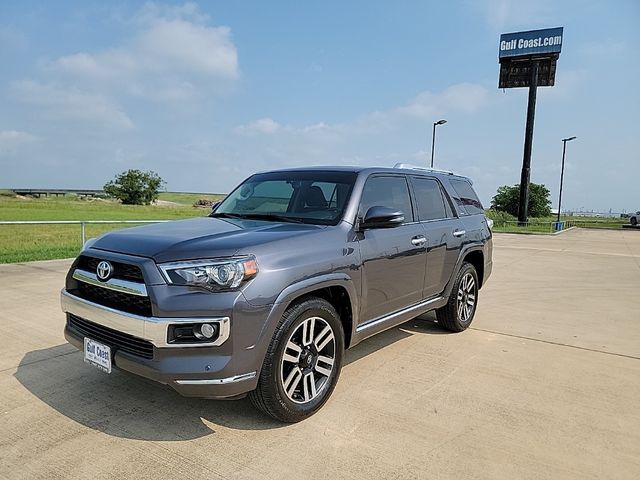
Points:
(408, 166)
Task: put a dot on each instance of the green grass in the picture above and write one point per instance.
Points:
(188, 198)
(505, 223)
(21, 243)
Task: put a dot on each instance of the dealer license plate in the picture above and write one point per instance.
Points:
(97, 354)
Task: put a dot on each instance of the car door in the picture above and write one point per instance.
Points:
(393, 259)
(442, 230)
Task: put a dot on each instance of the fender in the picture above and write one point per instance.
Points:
(296, 290)
(473, 247)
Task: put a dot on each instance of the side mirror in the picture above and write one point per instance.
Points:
(214, 205)
(382, 217)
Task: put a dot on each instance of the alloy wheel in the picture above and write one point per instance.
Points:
(307, 361)
(467, 292)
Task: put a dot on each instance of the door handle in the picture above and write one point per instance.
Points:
(459, 233)
(419, 240)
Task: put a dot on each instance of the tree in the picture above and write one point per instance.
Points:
(507, 199)
(135, 187)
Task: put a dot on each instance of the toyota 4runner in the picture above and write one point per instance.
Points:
(264, 295)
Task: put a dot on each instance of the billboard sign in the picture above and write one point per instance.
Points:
(532, 42)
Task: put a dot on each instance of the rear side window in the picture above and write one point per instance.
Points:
(429, 199)
(392, 192)
(465, 198)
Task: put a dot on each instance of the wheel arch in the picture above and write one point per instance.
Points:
(337, 289)
(473, 254)
(476, 258)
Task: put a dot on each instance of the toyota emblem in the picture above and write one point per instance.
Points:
(104, 271)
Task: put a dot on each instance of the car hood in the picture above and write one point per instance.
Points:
(195, 238)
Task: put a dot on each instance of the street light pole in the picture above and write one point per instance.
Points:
(564, 150)
(433, 137)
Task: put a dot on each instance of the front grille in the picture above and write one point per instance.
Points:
(124, 271)
(113, 338)
(110, 298)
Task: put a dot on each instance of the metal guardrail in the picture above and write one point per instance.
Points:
(82, 223)
(38, 192)
(533, 227)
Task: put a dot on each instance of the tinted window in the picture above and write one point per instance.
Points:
(391, 192)
(306, 196)
(271, 196)
(466, 198)
(429, 199)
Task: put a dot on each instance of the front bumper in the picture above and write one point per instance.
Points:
(204, 370)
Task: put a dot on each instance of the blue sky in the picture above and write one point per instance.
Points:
(207, 93)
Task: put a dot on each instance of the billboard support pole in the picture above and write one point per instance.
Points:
(528, 141)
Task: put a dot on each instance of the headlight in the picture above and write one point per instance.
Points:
(215, 274)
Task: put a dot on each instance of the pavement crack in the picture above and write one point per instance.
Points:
(559, 344)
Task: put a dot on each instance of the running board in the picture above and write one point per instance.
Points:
(424, 306)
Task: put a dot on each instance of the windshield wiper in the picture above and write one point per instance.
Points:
(259, 216)
(272, 216)
(226, 215)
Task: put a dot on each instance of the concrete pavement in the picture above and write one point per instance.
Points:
(546, 384)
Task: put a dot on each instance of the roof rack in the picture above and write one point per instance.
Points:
(408, 166)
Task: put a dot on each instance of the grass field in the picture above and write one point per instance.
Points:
(505, 223)
(21, 243)
(188, 198)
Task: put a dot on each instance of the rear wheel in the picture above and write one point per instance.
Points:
(303, 362)
(634, 220)
(458, 313)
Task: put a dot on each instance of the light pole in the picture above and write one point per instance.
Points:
(433, 137)
(564, 150)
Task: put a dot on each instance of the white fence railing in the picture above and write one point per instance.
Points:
(82, 223)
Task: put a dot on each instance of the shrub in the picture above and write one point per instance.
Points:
(135, 187)
(507, 199)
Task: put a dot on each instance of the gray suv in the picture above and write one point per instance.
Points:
(264, 295)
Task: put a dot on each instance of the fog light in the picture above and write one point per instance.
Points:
(205, 331)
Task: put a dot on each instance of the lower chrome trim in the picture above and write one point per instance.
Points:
(153, 329)
(218, 381)
(386, 318)
(123, 286)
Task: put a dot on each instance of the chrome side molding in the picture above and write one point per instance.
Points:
(394, 315)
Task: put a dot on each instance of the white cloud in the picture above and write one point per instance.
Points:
(69, 103)
(11, 140)
(175, 47)
(463, 97)
(189, 11)
(502, 14)
(174, 56)
(266, 126)
(321, 142)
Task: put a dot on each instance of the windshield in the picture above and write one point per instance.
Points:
(305, 197)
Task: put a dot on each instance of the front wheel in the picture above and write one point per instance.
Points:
(458, 313)
(634, 221)
(303, 362)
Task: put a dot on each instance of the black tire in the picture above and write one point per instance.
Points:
(634, 221)
(449, 316)
(270, 396)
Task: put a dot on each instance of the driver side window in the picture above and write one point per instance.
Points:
(391, 191)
